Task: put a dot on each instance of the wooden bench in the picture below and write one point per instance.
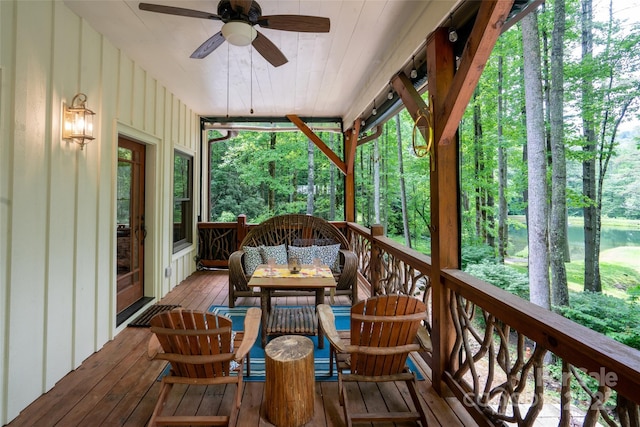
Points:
(294, 230)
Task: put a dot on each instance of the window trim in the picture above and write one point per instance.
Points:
(188, 221)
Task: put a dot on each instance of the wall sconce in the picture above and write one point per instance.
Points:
(77, 121)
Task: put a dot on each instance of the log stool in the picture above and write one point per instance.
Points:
(290, 380)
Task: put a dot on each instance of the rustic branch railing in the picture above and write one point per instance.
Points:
(502, 363)
(218, 240)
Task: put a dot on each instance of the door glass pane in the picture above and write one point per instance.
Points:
(124, 243)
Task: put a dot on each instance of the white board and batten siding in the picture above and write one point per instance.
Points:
(58, 203)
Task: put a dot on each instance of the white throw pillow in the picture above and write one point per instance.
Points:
(305, 254)
(329, 255)
(252, 259)
(278, 252)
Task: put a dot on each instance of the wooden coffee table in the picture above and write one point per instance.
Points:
(291, 321)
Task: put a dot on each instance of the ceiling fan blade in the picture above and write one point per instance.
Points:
(241, 6)
(171, 10)
(268, 50)
(209, 46)
(300, 23)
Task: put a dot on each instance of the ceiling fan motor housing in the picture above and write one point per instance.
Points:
(227, 13)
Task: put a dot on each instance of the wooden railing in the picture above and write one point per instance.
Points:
(218, 240)
(502, 353)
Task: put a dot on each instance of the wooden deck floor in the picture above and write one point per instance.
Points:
(117, 385)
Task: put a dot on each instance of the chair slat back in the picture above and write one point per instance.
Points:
(193, 333)
(384, 322)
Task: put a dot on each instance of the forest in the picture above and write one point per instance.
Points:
(551, 136)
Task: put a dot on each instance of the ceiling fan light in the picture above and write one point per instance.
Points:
(239, 33)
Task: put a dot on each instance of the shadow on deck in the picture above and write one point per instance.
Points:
(118, 384)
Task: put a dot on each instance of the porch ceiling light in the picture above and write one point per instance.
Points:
(414, 71)
(453, 35)
(77, 121)
(239, 33)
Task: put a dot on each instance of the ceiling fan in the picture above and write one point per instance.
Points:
(240, 17)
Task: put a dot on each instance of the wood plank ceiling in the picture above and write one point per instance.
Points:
(335, 74)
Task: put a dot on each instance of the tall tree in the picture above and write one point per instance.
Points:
(537, 162)
(503, 212)
(558, 223)
(332, 184)
(478, 166)
(272, 173)
(311, 189)
(403, 191)
(376, 181)
(592, 280)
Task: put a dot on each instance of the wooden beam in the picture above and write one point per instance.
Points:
(352, 144)
(411, 99)
(371, 137)
(333, 157)
(486, 30)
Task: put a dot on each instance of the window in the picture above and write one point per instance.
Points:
(182, 201)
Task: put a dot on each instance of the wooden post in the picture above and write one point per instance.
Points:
(350, 143)
(290, 380)
(241, 230)
(445, 202)
(376, 268)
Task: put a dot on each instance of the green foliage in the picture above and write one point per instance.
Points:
(479, 254)
(608, 315)
(502, 276)
(241, 180)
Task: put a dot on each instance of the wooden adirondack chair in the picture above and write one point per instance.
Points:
(383, 332)
(199, 347)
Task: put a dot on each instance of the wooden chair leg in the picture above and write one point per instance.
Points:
(162, 398)
(345, 406)
(411, 385)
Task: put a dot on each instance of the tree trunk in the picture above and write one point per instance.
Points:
(403, 191)
(591, 262)
(271, 197)
(477, 167)
(503, 227)
(558, 225)
(332, 184)
(376, 182)
(310, 178)
(537, 162)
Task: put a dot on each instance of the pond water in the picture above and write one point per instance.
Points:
(611, 238)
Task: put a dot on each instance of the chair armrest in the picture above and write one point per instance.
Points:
(251, 328)
(328, 325)
(424, 339)
(153, 347)
(237, 276)
(349, 274)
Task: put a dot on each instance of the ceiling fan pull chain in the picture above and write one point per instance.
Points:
(228, 84)
(251, 78)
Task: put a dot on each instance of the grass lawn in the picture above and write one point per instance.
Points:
(619, 270)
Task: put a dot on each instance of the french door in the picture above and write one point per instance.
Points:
(130, 223)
